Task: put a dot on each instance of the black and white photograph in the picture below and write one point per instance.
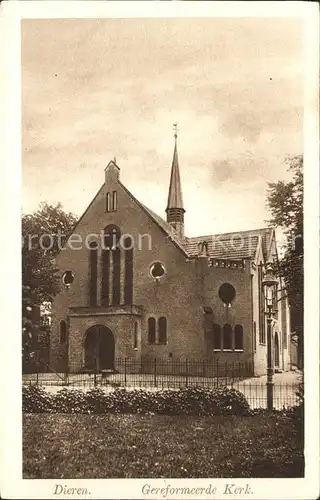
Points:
(163, 284)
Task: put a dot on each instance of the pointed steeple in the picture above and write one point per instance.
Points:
(175, 210)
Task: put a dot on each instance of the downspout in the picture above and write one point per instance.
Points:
(251, 312)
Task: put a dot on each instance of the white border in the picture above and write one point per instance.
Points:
(12, 485)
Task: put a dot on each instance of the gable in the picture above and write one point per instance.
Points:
(131, 216)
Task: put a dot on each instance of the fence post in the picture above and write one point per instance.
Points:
(217, 372)
(95, 373)
(155, 372)
(186, 372)
(66, 375)
(125, 372)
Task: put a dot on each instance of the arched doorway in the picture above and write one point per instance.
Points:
(99, 348)
(276, 351)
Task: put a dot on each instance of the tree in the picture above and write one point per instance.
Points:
(285, 202)
(44, 232)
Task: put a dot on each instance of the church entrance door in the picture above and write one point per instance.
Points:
(99, 348)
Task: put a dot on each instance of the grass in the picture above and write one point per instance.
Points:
(124, 446)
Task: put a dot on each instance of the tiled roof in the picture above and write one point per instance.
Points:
(238, 245)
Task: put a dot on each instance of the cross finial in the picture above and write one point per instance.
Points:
(175, 128)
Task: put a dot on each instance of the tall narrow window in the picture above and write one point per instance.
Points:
(105, 265)
(93, 273)
(216, 330)
(162, 330)
(254, 336)
(262, 339)
(135, 336)
(112, 236)
(275, 301)
(128, 271)
(227, 337)
(238, 337)
(108, 202)
(116, 258)
(284, 320)
(151, 331)
(63, 332)
(114, 200)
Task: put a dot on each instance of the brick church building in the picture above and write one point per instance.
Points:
(135, 286)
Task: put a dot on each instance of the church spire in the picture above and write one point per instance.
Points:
(175, 210)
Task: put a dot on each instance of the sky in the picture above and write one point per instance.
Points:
(95, 89)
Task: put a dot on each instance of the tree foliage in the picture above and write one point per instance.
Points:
(43, 232)
(285, 202)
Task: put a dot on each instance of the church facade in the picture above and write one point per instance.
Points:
(135, 286)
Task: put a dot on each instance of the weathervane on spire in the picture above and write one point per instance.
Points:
(175, 128)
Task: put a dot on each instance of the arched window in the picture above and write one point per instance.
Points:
(114, 200)
(135, 336)
(216, 330)
(162, 330)
(112, 235)
(108, 202)
(227, 337)
(105, 277)
(93, 273)
(238, 337)
(116, 258)
(128, 271)
(63, 332)
(151, 331)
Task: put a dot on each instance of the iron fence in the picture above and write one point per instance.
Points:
(163, 373)
(156, 374)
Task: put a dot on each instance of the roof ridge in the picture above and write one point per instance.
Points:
(232, 232)
(154, 216)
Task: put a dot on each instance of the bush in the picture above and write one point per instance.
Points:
(35, 399)
(186, 401)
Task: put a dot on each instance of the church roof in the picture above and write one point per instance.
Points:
(175, 191)
(159, 222)
(236, 245)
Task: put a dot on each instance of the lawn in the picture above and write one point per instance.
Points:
(124, 446)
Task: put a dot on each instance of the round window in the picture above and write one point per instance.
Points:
(68, 278)
(227, 293)
(157, 270)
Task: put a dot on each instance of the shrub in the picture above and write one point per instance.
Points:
(186, 401)
(35, 399)
(70, 401)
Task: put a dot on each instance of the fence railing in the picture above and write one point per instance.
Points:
(156, 374)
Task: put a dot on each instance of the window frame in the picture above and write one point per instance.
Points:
(163, 342)
(114, 201)
(239, 327)
(135, 336)
(214, 330)
(63, 332)
(108, 201)
(154, 322)
(230, 330)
